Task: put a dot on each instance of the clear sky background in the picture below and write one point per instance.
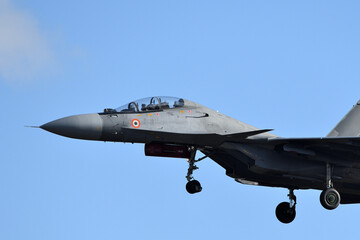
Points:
(293, 66)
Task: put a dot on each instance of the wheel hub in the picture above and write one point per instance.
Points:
(332, 199)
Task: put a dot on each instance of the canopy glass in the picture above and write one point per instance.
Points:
(151, 104)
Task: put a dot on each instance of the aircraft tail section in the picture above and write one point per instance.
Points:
(349, 126)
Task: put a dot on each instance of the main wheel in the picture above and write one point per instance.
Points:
(193, 186)
(285, 213)
(330, 198)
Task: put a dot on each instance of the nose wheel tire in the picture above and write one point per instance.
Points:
(285, 213)
(330, 198)
(193, 186)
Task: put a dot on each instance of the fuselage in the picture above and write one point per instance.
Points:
(186, 123)
(188, 119)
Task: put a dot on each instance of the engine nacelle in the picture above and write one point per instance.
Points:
(292, 148)
(166, 150)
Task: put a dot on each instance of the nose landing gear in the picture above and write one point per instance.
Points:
(193, 186)
(285, 211)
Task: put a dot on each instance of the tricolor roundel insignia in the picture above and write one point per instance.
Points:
(135, 123)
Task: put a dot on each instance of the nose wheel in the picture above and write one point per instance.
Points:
(193, 186)
(285, 211)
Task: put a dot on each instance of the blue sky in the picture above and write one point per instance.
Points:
(291, 66)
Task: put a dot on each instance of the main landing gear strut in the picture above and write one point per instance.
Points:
(285, 211)
(193, 186)
(330, 197)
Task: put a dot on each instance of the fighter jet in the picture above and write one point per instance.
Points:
(178, 128)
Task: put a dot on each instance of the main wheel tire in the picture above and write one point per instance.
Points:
(330, 198)
(284, 213)
(193, 186)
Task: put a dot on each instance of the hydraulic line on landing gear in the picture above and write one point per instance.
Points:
(192, 166)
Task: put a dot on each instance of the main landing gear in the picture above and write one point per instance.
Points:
(285, 211)
(330, 197)
(193, 186)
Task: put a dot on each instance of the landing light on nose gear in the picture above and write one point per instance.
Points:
(193, 186)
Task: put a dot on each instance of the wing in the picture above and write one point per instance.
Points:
(239, 157)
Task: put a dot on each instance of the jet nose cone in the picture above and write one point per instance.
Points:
(84, 126)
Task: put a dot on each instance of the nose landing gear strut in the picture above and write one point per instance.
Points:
(193, 186)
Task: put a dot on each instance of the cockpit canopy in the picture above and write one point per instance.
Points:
(151, 104)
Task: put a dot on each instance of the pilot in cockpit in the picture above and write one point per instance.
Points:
(179, 103)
